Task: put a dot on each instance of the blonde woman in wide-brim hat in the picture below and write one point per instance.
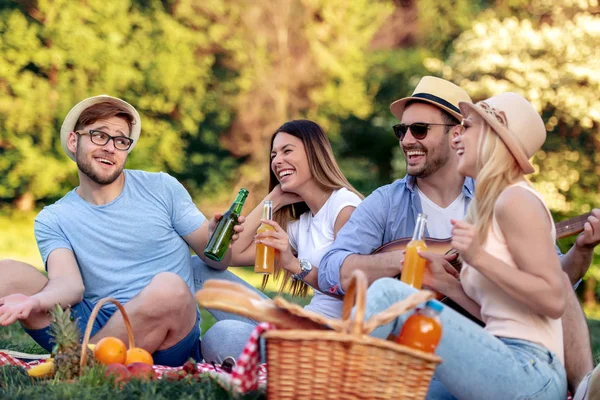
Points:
(511, 272)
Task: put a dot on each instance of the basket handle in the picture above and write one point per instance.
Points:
(397, 309)
(355, 297)
(90, 325)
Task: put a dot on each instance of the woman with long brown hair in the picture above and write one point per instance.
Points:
(312, 200)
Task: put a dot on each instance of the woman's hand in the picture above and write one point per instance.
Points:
(466, 241)
(281, 198)
(278, 239)
(439, 274)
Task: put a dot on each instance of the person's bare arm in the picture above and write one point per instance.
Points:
(442, 277)
(374, 266)
(538, 281)
(198, 239)
(577, 260)
(291, 263)
(64, 287)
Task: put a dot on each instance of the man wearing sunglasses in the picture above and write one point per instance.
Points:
(121, 233)
(429, 119)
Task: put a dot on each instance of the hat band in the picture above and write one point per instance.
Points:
(493, 112)
(439, 100)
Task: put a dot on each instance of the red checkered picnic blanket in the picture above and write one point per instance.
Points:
(159, 370)
(248, 374)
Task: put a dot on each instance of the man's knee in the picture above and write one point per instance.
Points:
(20, 277)
(167, 293)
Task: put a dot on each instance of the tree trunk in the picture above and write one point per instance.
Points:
(589, 294)
(25, 202)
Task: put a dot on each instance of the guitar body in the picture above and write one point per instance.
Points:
(439, 246)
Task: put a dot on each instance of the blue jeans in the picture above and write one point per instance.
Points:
(228, 336)
(476, 364)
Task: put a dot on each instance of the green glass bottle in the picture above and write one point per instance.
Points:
(221, 238)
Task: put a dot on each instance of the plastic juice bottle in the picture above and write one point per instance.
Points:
(414, 264)
(423, 329)
(219, 241)
(264, 262)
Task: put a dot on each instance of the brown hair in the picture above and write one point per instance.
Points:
(104, 110)
(323, 168)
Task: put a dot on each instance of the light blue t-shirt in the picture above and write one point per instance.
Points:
(122, 245)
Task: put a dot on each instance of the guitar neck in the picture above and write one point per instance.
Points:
(571, 226)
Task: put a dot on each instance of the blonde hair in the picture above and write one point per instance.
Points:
(497, 169)
(324, 170)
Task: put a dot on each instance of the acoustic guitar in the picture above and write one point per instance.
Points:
(571, 226)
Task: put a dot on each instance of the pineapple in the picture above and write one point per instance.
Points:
(67, 349)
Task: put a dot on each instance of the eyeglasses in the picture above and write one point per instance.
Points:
(418, 129)
(102, 138)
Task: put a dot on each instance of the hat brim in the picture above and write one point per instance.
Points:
(72, 117)
(398, 106)
(510, 140)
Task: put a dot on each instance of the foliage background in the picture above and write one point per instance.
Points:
(213, 79)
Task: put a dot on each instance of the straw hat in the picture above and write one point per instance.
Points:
(517, 123)
(439, 92)
(73, 116)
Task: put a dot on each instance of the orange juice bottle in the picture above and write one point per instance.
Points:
(264, 262)
(423, 329)
(414, 264)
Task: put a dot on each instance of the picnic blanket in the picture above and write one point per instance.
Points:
(248, 374)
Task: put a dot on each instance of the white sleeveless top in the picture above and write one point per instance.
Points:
(503, 315)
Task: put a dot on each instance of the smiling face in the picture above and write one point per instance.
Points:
(289, 162)
(467, 144)
(102, 164)
(426, 156)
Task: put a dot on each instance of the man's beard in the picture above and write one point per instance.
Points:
(431, 166)
(85, 166)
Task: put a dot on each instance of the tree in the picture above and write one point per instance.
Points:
(55, 53)
(292, 59)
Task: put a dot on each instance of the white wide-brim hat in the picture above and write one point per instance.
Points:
(72, 117)
(516, 121)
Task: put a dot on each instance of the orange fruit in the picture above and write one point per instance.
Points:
(137, 354)
(110, 350)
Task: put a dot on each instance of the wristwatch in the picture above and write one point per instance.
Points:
(305, 268)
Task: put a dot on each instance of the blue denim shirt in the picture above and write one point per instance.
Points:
(389, 213)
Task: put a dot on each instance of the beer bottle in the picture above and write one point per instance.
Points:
(414, 264)
(264, 262)
(221, 238)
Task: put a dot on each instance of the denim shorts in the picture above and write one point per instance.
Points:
(175, 355)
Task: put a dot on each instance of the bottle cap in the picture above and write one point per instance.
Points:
(435, 305)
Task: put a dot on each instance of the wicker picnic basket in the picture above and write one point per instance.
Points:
(90, 326)
(346, 363)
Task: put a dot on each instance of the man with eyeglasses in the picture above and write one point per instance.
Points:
(429, 119)
(121, 233)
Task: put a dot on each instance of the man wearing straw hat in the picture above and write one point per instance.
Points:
(430, 118)
(121, 233)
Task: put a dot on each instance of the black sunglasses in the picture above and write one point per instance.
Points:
(417, 129)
